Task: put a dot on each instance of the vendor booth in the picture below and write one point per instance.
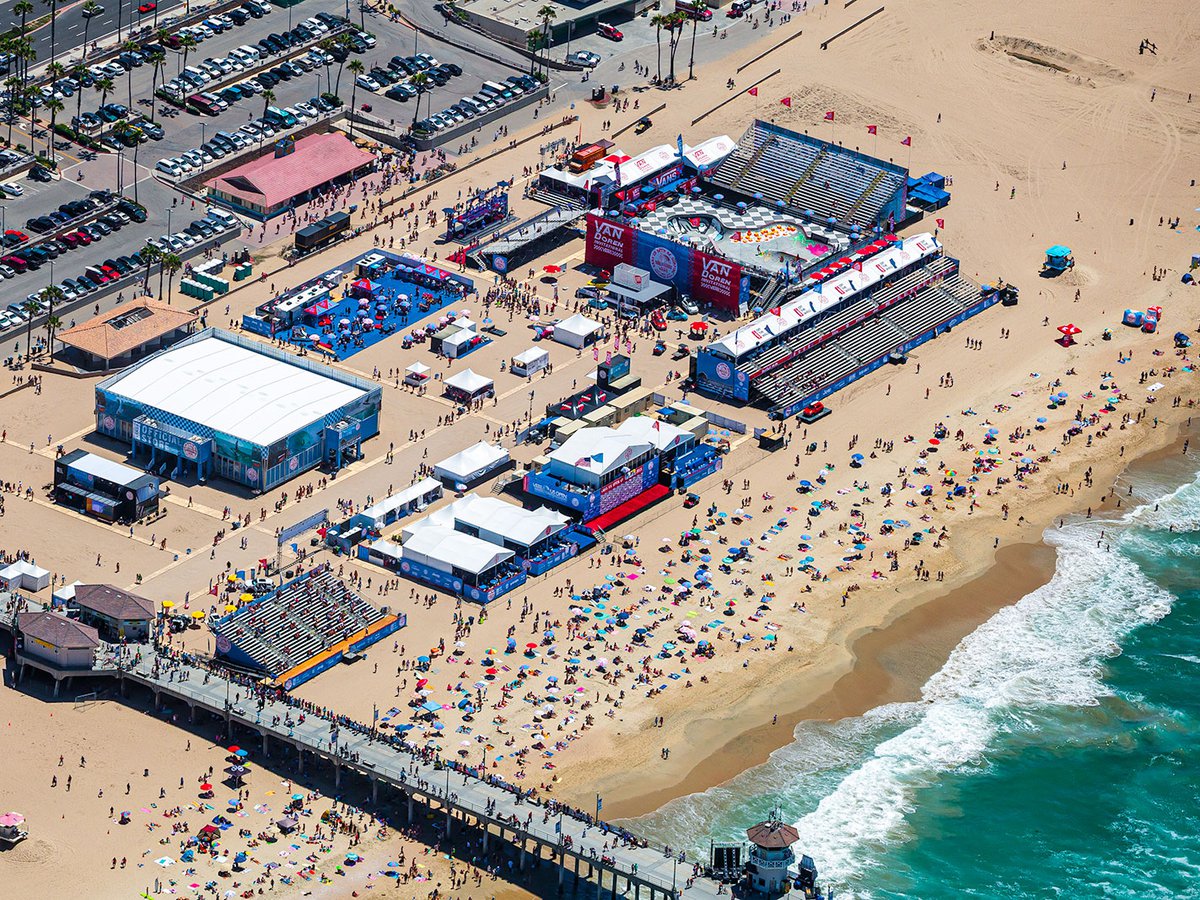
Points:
(472, 465)
(578, 331)
(469, 385)
(417, 374)
(635, 293)
(532, 360)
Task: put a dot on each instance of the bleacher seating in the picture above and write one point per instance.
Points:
(809, 175)
(874, 338)
(298, 621)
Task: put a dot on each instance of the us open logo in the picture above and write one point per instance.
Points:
(662, 261)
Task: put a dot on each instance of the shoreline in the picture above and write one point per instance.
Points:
(890, 662)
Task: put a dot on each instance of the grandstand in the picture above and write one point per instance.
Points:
(891, 298)
(309, 620)
(815, 178)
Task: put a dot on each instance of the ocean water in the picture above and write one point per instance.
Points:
(1054, 755)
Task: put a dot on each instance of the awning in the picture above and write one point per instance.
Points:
(630, 507)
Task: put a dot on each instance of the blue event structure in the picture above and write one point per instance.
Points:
(385, 292)
(221, 405)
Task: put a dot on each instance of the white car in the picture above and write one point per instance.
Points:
(168, 167)
(585, 58)
(307, 108)
(7, 271)
(183, 237)
(13, 190)
(367, 82)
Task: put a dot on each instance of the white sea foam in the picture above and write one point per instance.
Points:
(1046, 650)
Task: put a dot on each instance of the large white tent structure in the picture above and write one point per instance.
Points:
(471, 465)
(578, 331)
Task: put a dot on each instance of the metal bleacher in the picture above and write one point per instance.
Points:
(878, 336)
(809, 175)
(295, 623)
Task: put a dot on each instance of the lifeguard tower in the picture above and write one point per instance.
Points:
(770, 857)
(1058, 260)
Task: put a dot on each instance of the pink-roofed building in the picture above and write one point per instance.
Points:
(280, 181)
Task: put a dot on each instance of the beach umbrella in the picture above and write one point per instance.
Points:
(167, 604)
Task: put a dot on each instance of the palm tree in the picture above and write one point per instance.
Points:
(268, 99)
(23, 9)
(173, 264)
(658, 22)
(343, 41)
(150, 255)
(31, 309)
(52, 325)
(419, 81)
(50, 294)
(356, 68)
(157, 58)
(53, 4)
(13, 85)
(692, 58)
(90, 8)
(103, 86)
(187, 42)
(676, 20)
(77, 72)
(130, 46)
(55, 106)
(533, 41)
(547, 14)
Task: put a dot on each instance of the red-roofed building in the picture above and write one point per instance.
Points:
(273, 184)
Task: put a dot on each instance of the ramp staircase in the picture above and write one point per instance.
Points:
(753, 161)
(808, 173)
(862, 198)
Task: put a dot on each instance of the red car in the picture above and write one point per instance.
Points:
(147, 8)
(84, 238)
(609, 31)
(658, 320)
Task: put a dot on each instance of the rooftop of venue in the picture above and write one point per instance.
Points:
(129, 326)
(234, 387)
(270, 180)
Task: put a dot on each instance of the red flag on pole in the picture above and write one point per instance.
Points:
(907, 142)
(787, 101)
(872, 129)
(829, 116)
(753, 92)
(941, 223)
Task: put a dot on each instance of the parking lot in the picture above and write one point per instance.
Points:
(185, 130)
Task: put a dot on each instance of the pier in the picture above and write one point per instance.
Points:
(498, 810)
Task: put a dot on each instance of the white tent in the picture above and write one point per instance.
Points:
(445, 549)
(532, 360)
(412, 498)
(66, 593)
(577, 331)
(663, 435)
(417, 373)
(469, 383)
(24, 576)
(471, 464)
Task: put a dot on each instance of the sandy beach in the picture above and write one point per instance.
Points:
(1055, 130)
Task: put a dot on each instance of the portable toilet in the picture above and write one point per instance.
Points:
(1133, 318)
